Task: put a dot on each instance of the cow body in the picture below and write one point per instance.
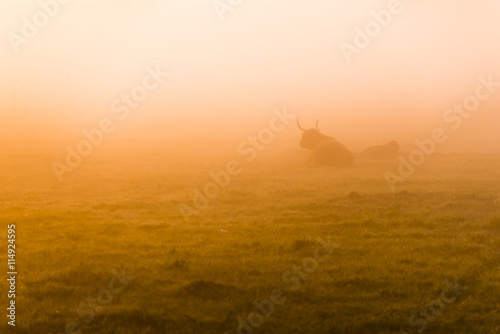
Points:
(381, 152)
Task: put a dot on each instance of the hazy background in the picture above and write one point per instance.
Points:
(226, 77)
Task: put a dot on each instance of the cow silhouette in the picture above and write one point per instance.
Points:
(325, 150)
(381, 152)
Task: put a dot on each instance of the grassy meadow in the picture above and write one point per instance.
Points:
(118, 213)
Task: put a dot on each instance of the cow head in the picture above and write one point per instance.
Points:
(311, 137)
(393, 146)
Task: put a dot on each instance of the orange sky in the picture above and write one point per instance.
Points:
(227, 76)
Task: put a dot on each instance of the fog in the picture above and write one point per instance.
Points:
(155, 179)
(227, 76)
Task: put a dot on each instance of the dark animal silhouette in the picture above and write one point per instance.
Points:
(381, 152)
(325, 150)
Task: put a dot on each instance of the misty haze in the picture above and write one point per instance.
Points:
(246, 167)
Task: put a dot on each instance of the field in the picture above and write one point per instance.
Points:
(430, 248)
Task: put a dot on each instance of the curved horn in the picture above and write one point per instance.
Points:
(300, 128)
(317, 125)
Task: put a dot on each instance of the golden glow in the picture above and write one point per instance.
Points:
(226, 76)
